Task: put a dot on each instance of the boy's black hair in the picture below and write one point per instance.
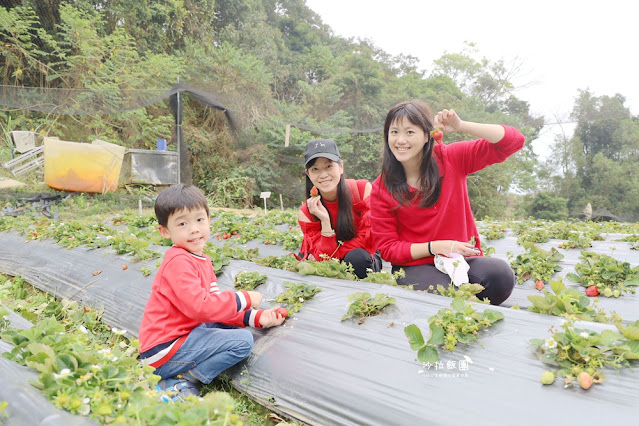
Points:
(179, 197)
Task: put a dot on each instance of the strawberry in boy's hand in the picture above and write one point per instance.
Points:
(282, 312)
(314, 192)
(438, 135)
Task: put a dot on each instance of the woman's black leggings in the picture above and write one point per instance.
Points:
(362, 261)
(496, 275)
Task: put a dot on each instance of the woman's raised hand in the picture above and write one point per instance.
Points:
(447, 120)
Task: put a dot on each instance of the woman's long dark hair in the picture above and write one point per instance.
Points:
(346, 229)
(419, 114)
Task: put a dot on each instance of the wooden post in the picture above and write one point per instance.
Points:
(265, 195)
(281, 203)
(288, 135)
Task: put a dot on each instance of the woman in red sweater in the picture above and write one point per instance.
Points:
(335, 220)
(420, 206)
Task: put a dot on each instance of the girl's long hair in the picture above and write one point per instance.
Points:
(393, 175)
(346, 229)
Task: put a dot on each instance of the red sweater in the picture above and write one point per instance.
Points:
(316, 244)
(184, 295)
(395, 228)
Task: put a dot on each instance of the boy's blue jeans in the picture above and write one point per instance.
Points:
(209, 349)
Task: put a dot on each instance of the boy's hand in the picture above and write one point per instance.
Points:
(271, 318)
(256, 299)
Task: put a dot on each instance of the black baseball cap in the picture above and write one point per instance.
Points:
(325, 148)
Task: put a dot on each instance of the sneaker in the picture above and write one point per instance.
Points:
(176, 389)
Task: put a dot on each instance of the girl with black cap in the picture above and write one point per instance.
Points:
(335, 217)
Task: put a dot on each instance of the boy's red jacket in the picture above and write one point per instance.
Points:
(184, 295)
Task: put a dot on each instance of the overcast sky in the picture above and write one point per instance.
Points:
(562, 45)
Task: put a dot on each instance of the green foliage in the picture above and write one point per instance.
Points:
(610, 276)
(449, 327)
(536, 263)
(296, 295)
(547, 206)
(249, 281)
(364, 305)
(270, 64)
(574, 350)
(91, 370)
(569, 303)
(466, 291)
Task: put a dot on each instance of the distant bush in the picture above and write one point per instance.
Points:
(547, 206)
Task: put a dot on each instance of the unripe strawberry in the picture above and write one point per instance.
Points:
(616, 293)
(585, 380)
(592, 291)
(314, 192)
(547, 378)
(607, 292)
(539, 285)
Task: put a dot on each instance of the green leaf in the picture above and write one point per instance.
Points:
(436, 334)
(609, 337)
(573, 277)
(459, 305)
(557, 286)
(428, 354)
(415, 337)
(540, 302)
(629, 332)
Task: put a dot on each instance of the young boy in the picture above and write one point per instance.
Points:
(189, 328)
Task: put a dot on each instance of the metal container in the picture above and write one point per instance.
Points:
(149, 167)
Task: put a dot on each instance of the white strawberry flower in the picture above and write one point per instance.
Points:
(550, 343)
(63, 373)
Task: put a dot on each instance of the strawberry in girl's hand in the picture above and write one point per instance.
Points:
(438, 135)
(314, 192)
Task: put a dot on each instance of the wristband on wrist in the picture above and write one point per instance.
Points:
(328, 234)
(429, 249)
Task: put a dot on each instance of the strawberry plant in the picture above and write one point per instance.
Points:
(249, 281)
(576, 350)
(610, 276)
(465, 292)
(449, 327)
(536, 263)
(296, 295)
(568, 302)
(384, 277)
(533, 235)
(92, 370)
(492, 231)
(364, 305)
(576, 240)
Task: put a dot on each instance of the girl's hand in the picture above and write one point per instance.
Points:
(270, 318)
(317, 209)
(447, 120)
(465, 249)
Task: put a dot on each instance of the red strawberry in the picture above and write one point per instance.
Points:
(314, 192)
(438, 135)
(282, 311)
(539, 285)
(592, 291)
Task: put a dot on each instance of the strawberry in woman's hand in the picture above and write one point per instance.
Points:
(438, 135)
(314, 192)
